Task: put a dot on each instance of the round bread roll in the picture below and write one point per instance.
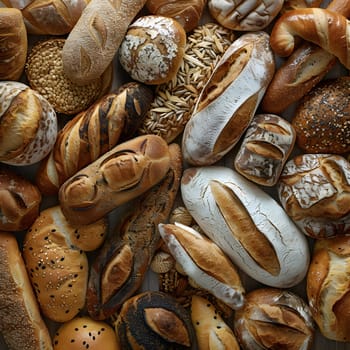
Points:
(152, 49)
(19, 201)
(44, 71)
(251, 15)
(28, 124)
(83, 333)
(321, 120)
(327, 287)
(274, 319)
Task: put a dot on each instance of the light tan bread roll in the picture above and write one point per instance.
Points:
(152, 49)
(274, 319)
(20, 201)
(57, 264)
(303, 69)
(109, 121)
(55, 17)
(314, 190)
(229, 99)
(247, 224)
(21, 323)
(91, 45)
(187, 12)
(325, 28)
(14, 44)
(327, 287)
(118, 176)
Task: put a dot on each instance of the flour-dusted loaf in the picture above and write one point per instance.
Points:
(327, 287)
(21, 323)
(266, 146)
(314, 191)
(229, 99)
(57, 264)
(251, 15)
(28, 124)
(53, 17)
(152, 49)
(118, 176)
(14, 44)
(187, 12)
(20, 201)
(274, 319)
(248, 225)
(94, 40)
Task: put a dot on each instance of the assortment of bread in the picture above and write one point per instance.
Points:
(171, 172)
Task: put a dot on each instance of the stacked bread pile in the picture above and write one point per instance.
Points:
(174, 174)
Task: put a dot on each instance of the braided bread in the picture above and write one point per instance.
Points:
(327, 29)
(92, 133)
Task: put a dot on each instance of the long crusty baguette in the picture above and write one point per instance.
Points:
(306, 67)
(92, 133)
(325, 28)
(21, 323)
(96, 37)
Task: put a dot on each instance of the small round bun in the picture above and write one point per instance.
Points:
(152, 49)
(321, 120)
(83, 333)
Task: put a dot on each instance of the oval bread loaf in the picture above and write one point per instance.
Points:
(125, 172)
(248, 225)
(229, 99)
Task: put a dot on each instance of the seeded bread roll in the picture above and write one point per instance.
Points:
(118, 176)
(321, 120)
(266, 146)
(187, 12)
(21, 323)
(152, 49)
(274, 319)
(14, 44)
(57, 265)
(19, 201)
(28, 124)
(54, 17)
(44, 72)
(314, 191)
(327, 287)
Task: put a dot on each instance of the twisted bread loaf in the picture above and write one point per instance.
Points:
(14, 44)
(92, 133)
(55, 17)
(325, 28)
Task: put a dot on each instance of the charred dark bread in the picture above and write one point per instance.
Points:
(274, 319)
(120, 266)
(155, 320)
(118, 176)
(21, 323)
(20, 201)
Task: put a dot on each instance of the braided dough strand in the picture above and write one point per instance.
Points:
(327, 29)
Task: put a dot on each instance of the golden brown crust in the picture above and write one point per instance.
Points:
(19, 201)
(21, 323)
(14, 44)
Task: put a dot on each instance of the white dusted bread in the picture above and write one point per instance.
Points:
(248, 224)
(228, 101)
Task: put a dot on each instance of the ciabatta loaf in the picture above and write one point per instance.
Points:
(229, 99)
(248, 225)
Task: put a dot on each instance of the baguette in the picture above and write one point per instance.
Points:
(14, 44)
(303, 70)
(229, 99)
(122, 174)
(21, 323)
(325, 28)
(248, 225)
(92, 133)
(91, 45)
